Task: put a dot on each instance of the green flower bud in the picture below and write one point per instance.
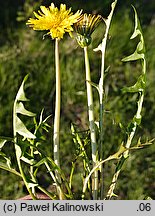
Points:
(83, 41)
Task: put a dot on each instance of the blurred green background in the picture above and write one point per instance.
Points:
(23, 51)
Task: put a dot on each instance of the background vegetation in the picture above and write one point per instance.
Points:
(23, 51)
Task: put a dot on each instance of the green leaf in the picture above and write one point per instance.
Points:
(147, 198)
(137, 120)
(8, 162)
(42, 161)
(21, 109)
(21, 94)
(137, 29)
(133, 57)
(93, 84)
(18, 151)
(2, 143)
(3, 140)
(41, 117)
(140, 49)
(22, 130)
(5, 167)
(27, 158)
(2, 154)
(28, 161)
(137, 87)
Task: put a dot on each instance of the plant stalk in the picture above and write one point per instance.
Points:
(56, 134)
(91, 124)
(101, 95)
(55, 181)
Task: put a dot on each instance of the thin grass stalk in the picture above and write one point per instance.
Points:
(56, 134)
(91, 124)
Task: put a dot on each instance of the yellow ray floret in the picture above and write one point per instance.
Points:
(56, 21)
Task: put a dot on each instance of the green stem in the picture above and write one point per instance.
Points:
(31, 167)
(91, 123)
(55, 181)
(57, 116)
(71, 175)
(101, 94)
(46, 192)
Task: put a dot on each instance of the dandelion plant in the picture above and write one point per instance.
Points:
(29, 143)
(57, 22)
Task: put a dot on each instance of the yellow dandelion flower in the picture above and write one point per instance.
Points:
(56, 21)
(85, 27)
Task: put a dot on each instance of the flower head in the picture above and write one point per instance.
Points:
(85, 27)
(56, 21)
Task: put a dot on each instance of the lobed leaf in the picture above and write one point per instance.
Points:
(140, 49)
(137, 87)
(28, 161)
(22, 130)
(21, 109)
(21, 94)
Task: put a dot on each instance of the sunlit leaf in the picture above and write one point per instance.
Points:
(147, 198)
(93, 84)
(2, 154)
(21, 109)
(22, 130)
(137, 87)
(2, 143)
(133, 57)
(21, 94)
(26, 160)
(137, 120)
(5, 167)
(8, 162)
(41, 116)
(140, 49)
(18, 151)
(42, 161)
